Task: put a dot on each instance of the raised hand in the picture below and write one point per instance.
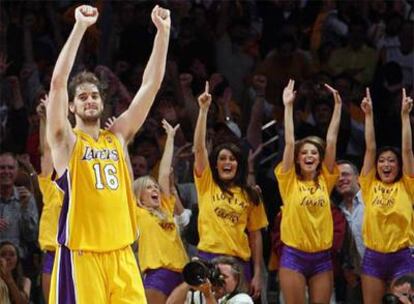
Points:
(41, 107)
(24, 195)
(109, 122)
(366, 104)
(204, 100)
(335, 93)
(86, 15)
(253, 154)
(169, 129)
(288, 93)
(406, 103)
(4, 224)
(161, 18)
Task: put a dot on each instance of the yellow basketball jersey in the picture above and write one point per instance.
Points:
(98, 212)
(52, 203)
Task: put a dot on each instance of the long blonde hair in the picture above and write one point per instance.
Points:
(139, 185)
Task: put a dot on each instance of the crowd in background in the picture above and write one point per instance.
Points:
(247, 50)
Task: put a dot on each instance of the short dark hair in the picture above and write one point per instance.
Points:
(348, 162)
(408, 278)
(81, 78)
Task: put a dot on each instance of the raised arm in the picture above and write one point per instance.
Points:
(166, 160)
(370, 144)
(59, 134)
(200, 148)
(407, 139)
(132, 119)
(46, 163)
(333, 129)
(289, 152)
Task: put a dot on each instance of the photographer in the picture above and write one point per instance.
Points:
(228, 286)
(402, 291)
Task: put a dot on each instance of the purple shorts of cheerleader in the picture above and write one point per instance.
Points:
(48, 260)
(387, 266)
(306, 263)
(162, 279)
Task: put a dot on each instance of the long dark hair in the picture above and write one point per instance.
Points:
(240, 179)
(17, 272)
(397, 153)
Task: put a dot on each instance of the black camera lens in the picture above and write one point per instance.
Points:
(195, 273)
(390, 298)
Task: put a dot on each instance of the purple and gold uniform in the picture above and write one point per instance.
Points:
(307, 208)
(52, 203)
(161, 252)
(388, 228)
(224, 219)
(97, 225)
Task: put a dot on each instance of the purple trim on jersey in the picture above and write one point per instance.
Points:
(247, 267)
(162, 279)
(48, 259)
(63, 183)
(387, 266)
(65, 282)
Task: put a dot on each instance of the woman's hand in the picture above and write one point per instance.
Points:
(288, 93)
(204, 100)
(366, 104)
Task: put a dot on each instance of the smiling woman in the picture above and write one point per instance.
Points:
(161, 252)
(306, 177)
(231, 213)
(387, 186)
(11, 273)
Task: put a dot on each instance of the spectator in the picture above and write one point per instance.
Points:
(403, 289)
(11, 274)
(233, 291)
(352, 207)
(356, 58)
(139, 165)
(19, 216)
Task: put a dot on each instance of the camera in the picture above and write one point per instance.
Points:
(390, 298)
(197, 272)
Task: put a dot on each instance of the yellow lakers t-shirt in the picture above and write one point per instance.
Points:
(388, 215)
(52, 203)
(223, 219)
(159, 244)
(307, 222)
(98, 211)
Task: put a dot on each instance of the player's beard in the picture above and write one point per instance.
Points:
(90, 119)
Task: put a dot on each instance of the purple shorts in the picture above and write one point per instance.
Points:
(48, 259)
(247, 268)
(306, 263)
(162, 279)
(387, 266)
